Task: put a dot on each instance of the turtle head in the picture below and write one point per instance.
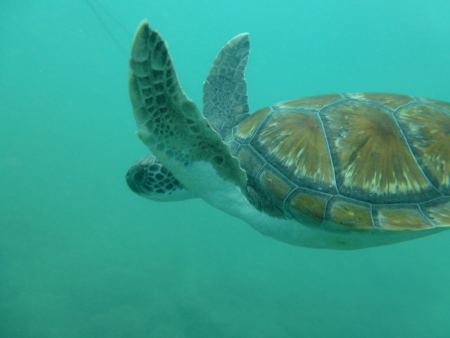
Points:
(150, 179)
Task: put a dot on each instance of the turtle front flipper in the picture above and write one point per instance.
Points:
(173, 128)
(225, 100)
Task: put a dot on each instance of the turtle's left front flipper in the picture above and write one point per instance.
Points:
(172, 126)
(225, 99)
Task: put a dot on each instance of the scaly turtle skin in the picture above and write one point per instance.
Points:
(339, 171)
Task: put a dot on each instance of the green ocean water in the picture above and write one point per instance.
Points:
(82, 256)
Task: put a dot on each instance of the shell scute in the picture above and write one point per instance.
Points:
(294, 142)
(274, 183)
(310, 102)
(428, 132)
(372, 159)
(438, 211)
(307, 207)
(401, 218)
(346, 214)
(388, 101)
(436, 103)
(250, 160)
(247, 128)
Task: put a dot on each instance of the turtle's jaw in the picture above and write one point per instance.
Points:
(150, 179)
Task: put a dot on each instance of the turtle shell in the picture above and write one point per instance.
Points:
(354, 161)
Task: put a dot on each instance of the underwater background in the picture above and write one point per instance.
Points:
(82, 256)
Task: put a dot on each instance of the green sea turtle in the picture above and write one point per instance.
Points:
(338, 171)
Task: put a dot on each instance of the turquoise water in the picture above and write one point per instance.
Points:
(82, 256)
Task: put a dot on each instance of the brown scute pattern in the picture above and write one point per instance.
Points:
(310, 102)
(438, 211)
(250, 160)
(276, 186)
(388, 101)
(436, 103)
(401, 218)
(347, 214)
(382, 146)
(267, 192)
(373, 162)
(247, 128)
(295, 144)
(234, 146)
(307, 207)
(428, 132)
(169, 123)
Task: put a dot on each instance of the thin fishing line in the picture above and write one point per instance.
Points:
(107, 28)
(113, 18)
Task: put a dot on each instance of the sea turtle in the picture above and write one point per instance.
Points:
(337, 171)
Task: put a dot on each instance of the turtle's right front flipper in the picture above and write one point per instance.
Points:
(172, 126)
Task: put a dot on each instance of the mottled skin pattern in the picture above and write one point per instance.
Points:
(340, 171)
(225, 101)
(358, 160)
(150, 179)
